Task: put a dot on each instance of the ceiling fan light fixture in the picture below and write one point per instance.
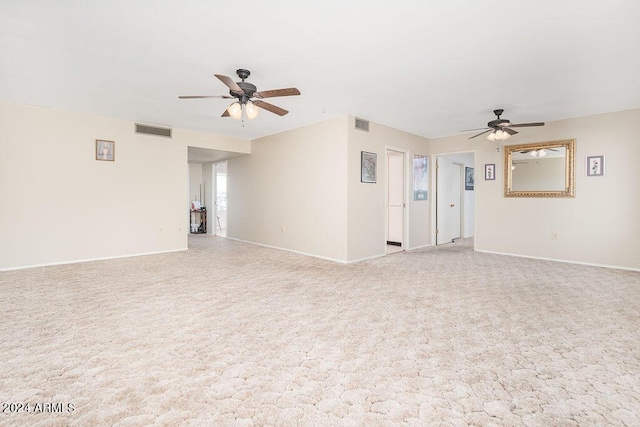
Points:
(491, 136)
(252, 110)
(501, 135)
(542, 153)
(235, 110)
(533, 153)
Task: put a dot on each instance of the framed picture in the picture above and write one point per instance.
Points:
(489, 171)
(368, 166)
(595, 165)
(468, 178)
(105, 150)
(420, 177)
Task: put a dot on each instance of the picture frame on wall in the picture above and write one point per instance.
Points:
(468, 179)
(595, 165)
(420, 177)
(368, 167)
(490, 172)
(105, 150)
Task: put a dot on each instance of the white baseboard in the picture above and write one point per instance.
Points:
(290, 250)
(366, 258)
(419, 247)
(616, 267)
(77, 261)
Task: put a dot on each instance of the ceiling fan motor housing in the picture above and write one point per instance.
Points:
(248, 89)
(498, 122)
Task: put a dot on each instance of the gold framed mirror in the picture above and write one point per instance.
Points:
(541, 169)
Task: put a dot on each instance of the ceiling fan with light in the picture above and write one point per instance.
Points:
(501, 128)
(245, 93)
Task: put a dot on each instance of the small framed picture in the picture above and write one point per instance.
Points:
(420, 177)
(489, 171)
(105, 150)
(468, 179)
(595, 165)
(368, 167)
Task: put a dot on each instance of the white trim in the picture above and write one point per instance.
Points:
(370, 257)
(306, 253)
(419, 247)
(289, 250)
(77, 261)
(591, 264)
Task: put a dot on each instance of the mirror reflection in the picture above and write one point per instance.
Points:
(540, 170)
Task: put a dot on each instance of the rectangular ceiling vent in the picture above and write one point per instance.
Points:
(362, 125)
(153, 130)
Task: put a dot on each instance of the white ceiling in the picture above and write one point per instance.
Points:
(431, 68)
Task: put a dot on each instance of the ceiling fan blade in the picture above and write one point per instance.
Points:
(469, 130)
(277, 92)
(230, 84)
(509, 131)
(270, 107)
(225, 114)
(523, 125)
(481, 133)
(205, 96)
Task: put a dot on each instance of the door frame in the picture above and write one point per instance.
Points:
(405, 210)
(460, 202)
(434, 177)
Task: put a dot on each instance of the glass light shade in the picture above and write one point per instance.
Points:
(542, 153)
(252, 110)
(499, 134)
(505, 135)
(235, 110)
(533, 153)
(491, 136)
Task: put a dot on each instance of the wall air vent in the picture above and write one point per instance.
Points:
(362, 125)
(153, 130)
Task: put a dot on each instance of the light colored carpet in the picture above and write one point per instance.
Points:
(230, 333)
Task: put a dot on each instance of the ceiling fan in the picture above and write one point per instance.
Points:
(245, 93)
(501, 128)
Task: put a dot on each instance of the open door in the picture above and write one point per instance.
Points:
(395, 201)
(448, 200)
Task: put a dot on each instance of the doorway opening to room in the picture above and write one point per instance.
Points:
(396, 202)
(455, 197)
(221, 199)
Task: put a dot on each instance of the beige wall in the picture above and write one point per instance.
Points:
(58, 204)
(291, 193)
(599, 226)
(367, 202)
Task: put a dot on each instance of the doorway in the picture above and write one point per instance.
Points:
(455, 197)
(395, 201)
(221, 199)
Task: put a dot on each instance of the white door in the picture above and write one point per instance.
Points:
(448, 197)
(395, 197)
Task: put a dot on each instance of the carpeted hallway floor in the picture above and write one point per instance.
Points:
(230, 333)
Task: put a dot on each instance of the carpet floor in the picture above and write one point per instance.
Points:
(230, 333)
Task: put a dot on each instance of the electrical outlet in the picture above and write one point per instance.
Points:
(555, 235)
